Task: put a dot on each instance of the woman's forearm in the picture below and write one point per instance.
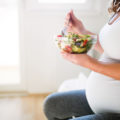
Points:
(98, 46)
(111, 70)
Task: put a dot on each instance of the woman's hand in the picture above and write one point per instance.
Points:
(79, 59)
(74, 25)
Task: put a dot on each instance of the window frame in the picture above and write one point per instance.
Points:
(22, 87)
(65, 1)
(92, 7)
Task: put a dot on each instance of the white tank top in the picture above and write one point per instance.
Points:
(103, 92)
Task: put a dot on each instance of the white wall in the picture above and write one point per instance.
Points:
(45, 69)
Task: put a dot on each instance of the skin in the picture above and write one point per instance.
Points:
(84, 60)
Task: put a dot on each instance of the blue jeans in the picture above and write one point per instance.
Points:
(65, 105)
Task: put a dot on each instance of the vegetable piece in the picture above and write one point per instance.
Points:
(78, 44)
(85, 43)
(76, 49)
(59, 36)
(75, 39)
(59, 45)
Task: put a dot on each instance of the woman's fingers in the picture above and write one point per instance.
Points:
(68, 16)
(73, 17)
(66, 23)
(69, 29)
(68, 56)
(67, 20)
(70, 24)
(64, 54)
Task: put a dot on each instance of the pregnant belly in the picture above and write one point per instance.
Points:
(103, 93)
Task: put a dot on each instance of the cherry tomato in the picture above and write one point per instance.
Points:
(59, 36)
(74, 39)
(85, 42)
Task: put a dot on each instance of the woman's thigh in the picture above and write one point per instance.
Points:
(66, 104)
(99, 117)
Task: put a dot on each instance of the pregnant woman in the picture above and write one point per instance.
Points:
(101, 99)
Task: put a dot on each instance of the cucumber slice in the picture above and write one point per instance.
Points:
(76, 49)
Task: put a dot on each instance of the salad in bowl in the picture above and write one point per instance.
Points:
(75, 43)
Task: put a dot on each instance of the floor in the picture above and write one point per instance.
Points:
(22, 108)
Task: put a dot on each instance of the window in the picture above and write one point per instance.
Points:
(63, 6)
(9, 43)
(62, 1)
